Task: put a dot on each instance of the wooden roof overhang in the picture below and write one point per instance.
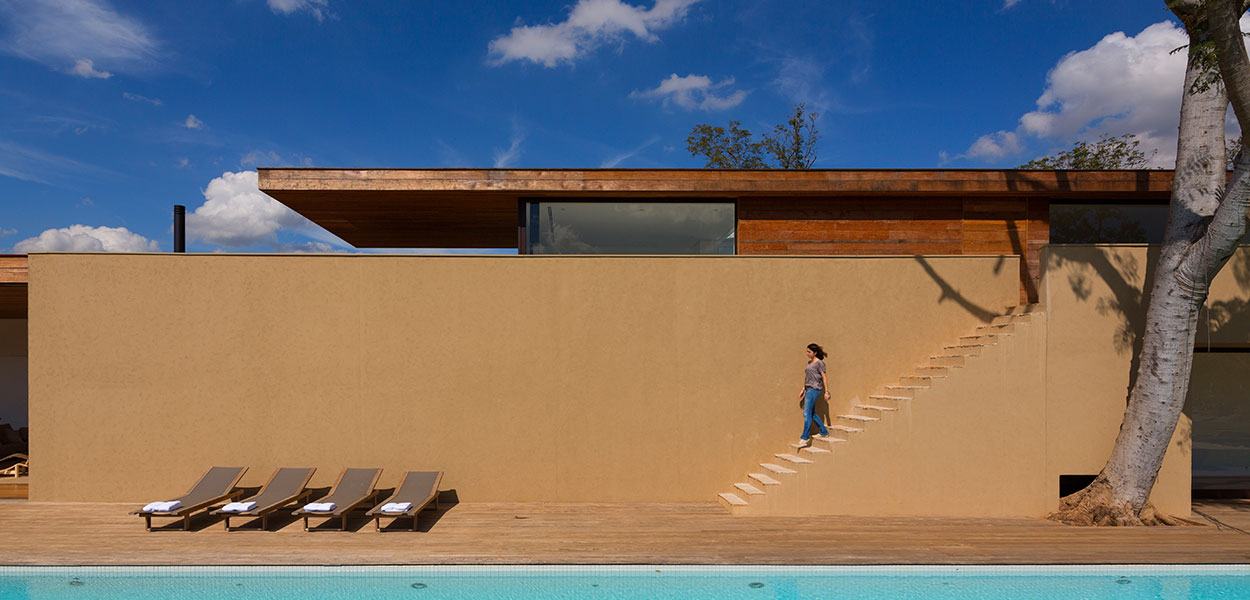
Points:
(477, 208)
(13, 285)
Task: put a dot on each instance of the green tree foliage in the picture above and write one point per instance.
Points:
(791, 145)
(1107, 153)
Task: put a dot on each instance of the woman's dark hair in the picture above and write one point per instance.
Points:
(820, 352)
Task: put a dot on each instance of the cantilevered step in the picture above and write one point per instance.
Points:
(947, 361)
(791, 458)
(890, 397)
(749, 489)
(763, 479)
(932, 372)
(875, 407)
(813, 449)
(778, 469)
(845, 428)
(997, 329)
(986, 339)
(915, 381)
(964, 350)
(732, 499)
(860, 418)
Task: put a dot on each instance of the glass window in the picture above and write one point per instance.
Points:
(1107, 223)
(555, 227)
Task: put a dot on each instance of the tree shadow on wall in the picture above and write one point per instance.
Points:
(1229, 319)
(948, 292)
(1125, 277)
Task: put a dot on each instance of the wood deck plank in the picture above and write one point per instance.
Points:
(549, 533)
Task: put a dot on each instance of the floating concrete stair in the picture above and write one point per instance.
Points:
(770, 490)
(749, 489)
(778, 469)
(793, 459)
(948, 361)
(964, 350)
(763, 479)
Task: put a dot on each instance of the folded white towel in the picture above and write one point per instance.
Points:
(396, 507)
(238, 507)
(320, 506)
(162, 506)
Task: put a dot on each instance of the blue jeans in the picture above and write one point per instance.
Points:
(810, 395)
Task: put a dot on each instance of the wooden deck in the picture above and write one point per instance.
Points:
(102, 534)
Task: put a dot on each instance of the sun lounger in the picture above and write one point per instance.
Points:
(14, 465)
(216, 485)
(417, 488)
(354, 488)
(285, 487)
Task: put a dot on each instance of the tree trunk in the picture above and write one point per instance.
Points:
(1206, 221)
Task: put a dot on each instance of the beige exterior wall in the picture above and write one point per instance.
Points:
(1094, 301)
(524, 378)
(13, 372)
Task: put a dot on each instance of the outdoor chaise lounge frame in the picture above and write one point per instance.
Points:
(353, 489)
(287, 486)
(216, 485)
(418, 487)
(15, 465)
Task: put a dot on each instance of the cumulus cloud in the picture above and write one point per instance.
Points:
(85, 238)
(138, 98)
(76, 35)
(590, 24)
(237, 214)
(86, 68)
(1123, 84)
(694, 92)
(193, 123)
(317, 8)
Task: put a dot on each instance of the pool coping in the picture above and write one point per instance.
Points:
(1139, 569)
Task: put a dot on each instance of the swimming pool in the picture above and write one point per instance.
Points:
(625, 583)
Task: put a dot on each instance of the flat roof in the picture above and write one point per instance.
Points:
(477, 208)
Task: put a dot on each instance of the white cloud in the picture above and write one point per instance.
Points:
(317, 8)
(260, 156)
(193, 123)
(138, 98)
(1010, 3)
(76, 35)
(694, 92)
(183, 162)
(85, 238)
(7, 232)
(590, 23)
(612, 162)
(507, 158)
(236, 214)
(995, 145)
(86, 68)
(1123, 84)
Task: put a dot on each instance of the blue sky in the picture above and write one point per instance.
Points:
(112, 111)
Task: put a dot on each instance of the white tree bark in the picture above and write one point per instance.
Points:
(1206, 221)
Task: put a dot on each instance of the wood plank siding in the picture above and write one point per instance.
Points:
(899, 225)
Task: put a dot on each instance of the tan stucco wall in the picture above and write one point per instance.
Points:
(970, 445)
(13, 372)
(524, 378)
(1093, 297)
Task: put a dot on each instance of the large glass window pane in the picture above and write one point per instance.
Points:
(1107, 223)
(555, 227)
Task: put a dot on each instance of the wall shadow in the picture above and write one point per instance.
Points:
(952, 294)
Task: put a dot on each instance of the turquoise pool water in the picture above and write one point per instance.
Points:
(626, 583)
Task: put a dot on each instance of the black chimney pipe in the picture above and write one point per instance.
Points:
(180, 228)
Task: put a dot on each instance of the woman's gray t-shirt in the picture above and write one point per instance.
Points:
(811, 374)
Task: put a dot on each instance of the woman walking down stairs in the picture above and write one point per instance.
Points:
(883, 453)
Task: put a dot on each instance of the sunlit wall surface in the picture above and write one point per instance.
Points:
(683, 228)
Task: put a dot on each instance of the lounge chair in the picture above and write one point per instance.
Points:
(215, 486)
(15, 465)
(285, 487)
(354, 488)
(417, 487)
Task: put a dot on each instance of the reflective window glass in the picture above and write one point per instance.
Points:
(1107, 223)
(555, 227)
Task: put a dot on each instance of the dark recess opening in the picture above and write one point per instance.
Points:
(1071, 484)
